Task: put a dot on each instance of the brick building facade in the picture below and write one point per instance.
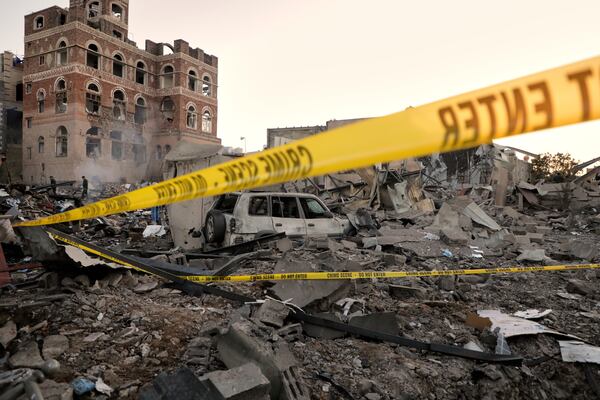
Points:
(96, 105)
(11, 117)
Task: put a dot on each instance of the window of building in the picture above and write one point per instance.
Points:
(140, 111)
(167, 149)
(19, 92)
(206, 122)
(93, 99)
(118, 65)
(167, 108)
(139, 149)
(140, 73)
(29, 155)
(116, 138)
(167, 78)
(117, 11)
(42, 59)
(192, 117)
(259, 206)
(62, 19)
(28, 122)
(93, 56)
(93, 9)
(206, 86)
(28, 88)
(117, 34)
(61, 96)
(119, 105)
(62, 142)
(38, 23)
(285, 207)
(41, 99)
(62, 54)
(192, 79)
(159, 153)
(93, 143)
(41, 143)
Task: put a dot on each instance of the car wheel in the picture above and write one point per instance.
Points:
(215, 227)
(263, 234)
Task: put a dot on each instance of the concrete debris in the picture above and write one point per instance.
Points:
(28, 356)
(55, 346)
(245, 382)
(579, 352)
(272, 313)
(7, 333)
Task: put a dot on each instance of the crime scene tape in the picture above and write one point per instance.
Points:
(328, 276)
(557, 97)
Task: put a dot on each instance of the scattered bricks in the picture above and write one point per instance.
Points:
(579, 287)
(531, 227)
(407, 292)
(536, 237)
(335, 246)
(454, 236)
(291, 333)
(519, 231)
(272, 313)
(393, 260)
(522, 240)
(242, 383)
(317, 242)
(349, 245)
(543, 229)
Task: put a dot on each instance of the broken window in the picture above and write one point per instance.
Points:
(28, 88)
(313, 209)
(192, 78)
(118, 65)
(140, 73)
(39, 22)
(93, 143)
(62, 19)
(93, 56)
(140, 111)
(159, 154)
(19, 92)
(93, 9)
(167, 107)
(117, 145)
(259, 206)
(192, 117)
(167, 77)
(285, 207)
(42, 60)
(62, 54)
(117, 34)
(167, 149)
(206, 86)
(62, 142)
(117, 11)
(41, 99)
(119, 105)
(93, 99)
(206, 122)
(41, 143)
(61, 96)
(139, 149)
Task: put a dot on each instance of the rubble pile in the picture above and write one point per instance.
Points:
(80, 326)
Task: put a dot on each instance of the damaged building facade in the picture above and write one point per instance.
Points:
(97, 105)
(11, 116)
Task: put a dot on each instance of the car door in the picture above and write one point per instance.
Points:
(287, 217)
(258, 218)
(319, 220)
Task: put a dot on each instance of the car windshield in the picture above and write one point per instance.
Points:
(226, 203)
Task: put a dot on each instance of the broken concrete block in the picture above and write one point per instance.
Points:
(52, 390)
(28, 356)
(407, 292)
(543, 229)
(536, 237)
(583, 250)
(380, 322)
(522, 240)
(284, 245)
(322, 332)
(83, 280)
(7, 333)
(242, 383)
(349, 245)
(55, 346)
(272, 313)
(579, 287)
(146, 287)
(182, 384)
(454, 236)
(290, 333)
(446, 283)
(535, 255)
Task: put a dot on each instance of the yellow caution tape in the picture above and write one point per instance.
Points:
(329, 276)
(557, 97)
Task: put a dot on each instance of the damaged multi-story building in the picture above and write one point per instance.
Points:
(11, 116)
(97, 105)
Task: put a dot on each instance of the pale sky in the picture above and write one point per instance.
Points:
(303, 62)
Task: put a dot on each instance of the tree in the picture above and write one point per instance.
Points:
(553, 167)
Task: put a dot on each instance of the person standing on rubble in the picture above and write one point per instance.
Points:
(52, 185)
(84, 188)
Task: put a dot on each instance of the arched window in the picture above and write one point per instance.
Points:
(62, 54)
(93, 56)
(206, 86)
(206, 122)
(61, 96)
(159, 153)
(140, 111)
(41, 143)
(168, 77)
(41, 99)
(192, 117)
(119, 105)
(117, 11)
(38, 22)
(167, 149)
(93, 10)
(167, 108)
(93, 99)
(93, 143)
(62, 142)
(192, 79)
(140, 73)
(118, 65)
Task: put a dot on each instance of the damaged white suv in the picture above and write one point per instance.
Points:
(239, 217)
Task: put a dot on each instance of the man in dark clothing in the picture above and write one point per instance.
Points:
(84, 188)
(52, 185)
